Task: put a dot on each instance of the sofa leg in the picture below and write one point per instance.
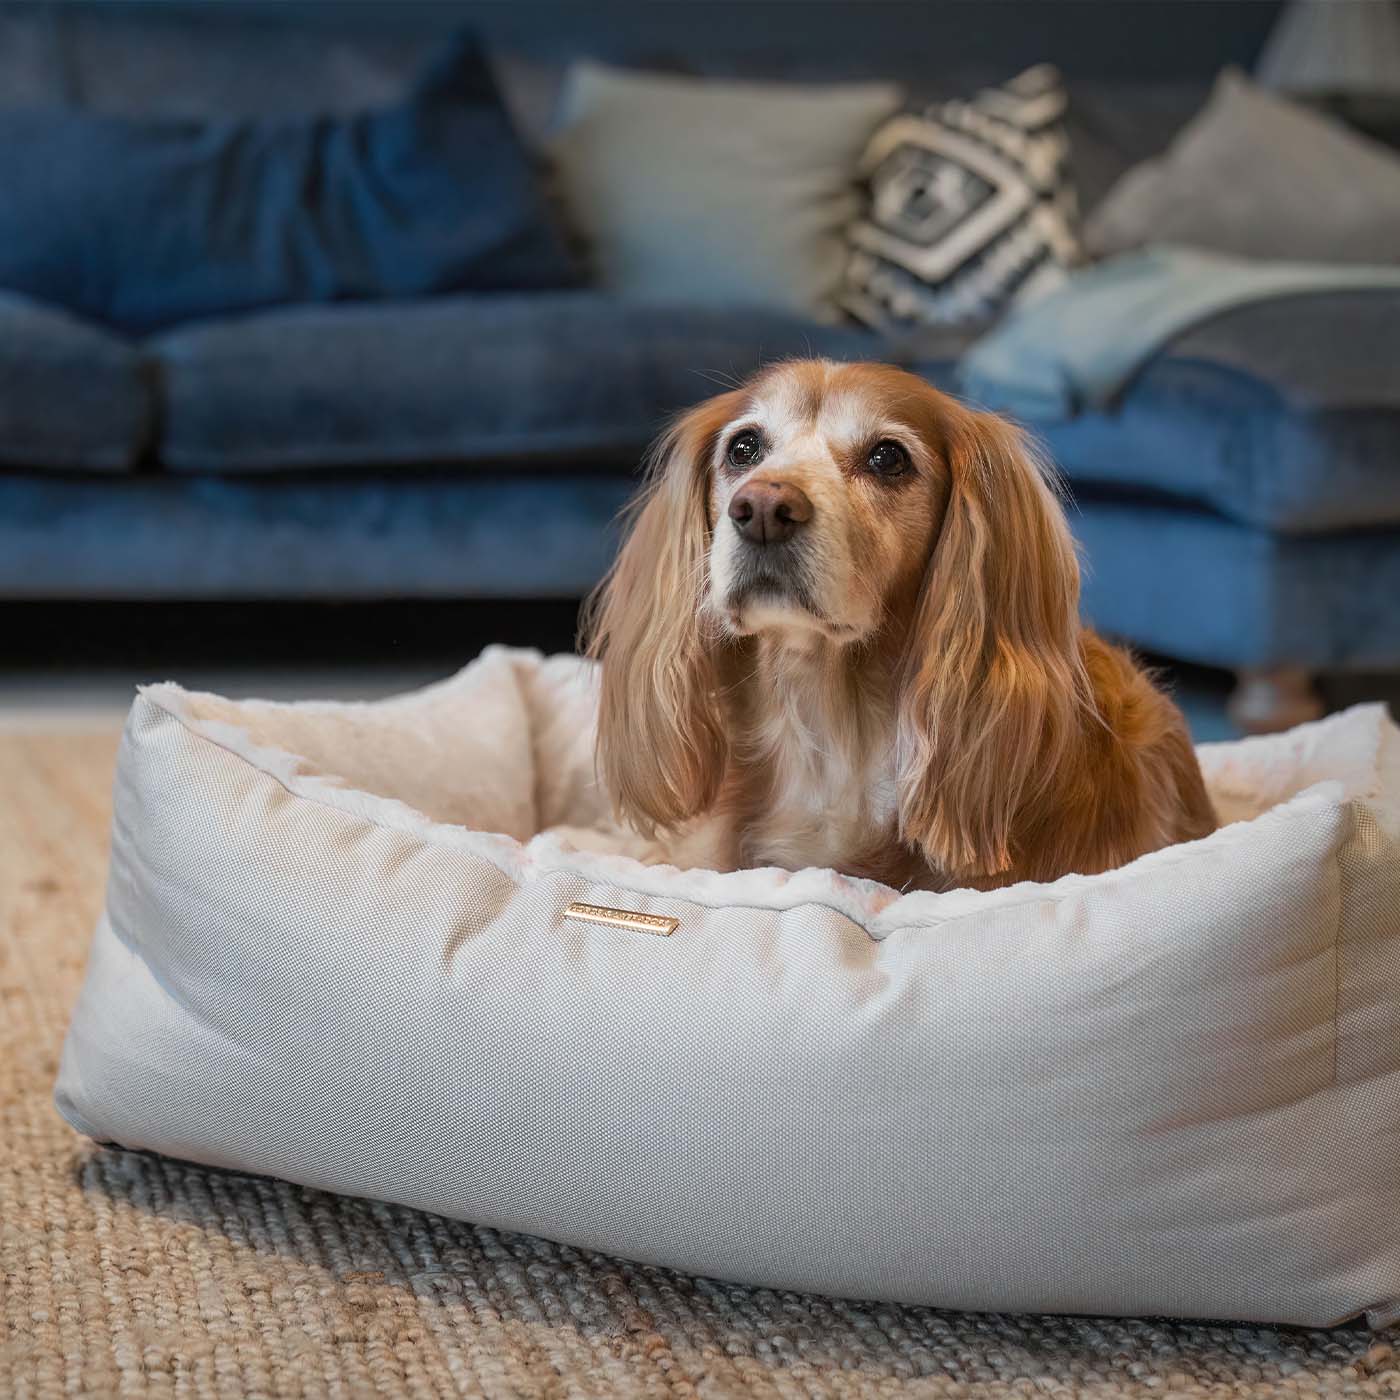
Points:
(1264, 702)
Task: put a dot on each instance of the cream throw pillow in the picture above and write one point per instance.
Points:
(715, 193)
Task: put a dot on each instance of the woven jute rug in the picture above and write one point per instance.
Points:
(126, 1275)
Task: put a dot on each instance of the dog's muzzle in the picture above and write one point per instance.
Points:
(769, 512)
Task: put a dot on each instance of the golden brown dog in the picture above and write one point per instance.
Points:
(844, 631)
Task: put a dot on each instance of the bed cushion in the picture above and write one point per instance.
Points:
(338, 948)
(1283, 414)
(568, 378)
(72, 396)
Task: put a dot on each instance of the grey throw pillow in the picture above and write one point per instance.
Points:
(1258, 176)
(701, 192)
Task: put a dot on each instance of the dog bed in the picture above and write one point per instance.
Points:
(361, 947)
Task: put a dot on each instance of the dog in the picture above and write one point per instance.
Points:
(843, 631)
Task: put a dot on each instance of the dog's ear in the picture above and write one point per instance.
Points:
(994, 684)
(661, 741)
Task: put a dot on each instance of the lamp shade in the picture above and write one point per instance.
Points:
(1334, 48)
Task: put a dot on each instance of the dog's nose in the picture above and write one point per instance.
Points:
(769, 512)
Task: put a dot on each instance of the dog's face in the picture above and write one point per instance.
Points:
(826, 487)
(822, 504)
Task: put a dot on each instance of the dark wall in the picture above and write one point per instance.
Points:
(1127, 39)
(1137, 69)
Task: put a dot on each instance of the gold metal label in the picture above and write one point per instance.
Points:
(660, 924)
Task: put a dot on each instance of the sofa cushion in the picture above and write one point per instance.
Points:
(143, 223)
(72, 397)
(1171, 578)
(1190, 584)
(1284, 414)
(571, 379)
(436, 535)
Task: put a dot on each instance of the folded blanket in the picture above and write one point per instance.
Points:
(1076, 348)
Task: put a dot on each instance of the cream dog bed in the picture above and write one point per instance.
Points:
(335, 950)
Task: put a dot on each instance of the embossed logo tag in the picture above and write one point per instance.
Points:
(660, 924)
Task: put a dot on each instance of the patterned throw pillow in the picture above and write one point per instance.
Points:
(970, 208)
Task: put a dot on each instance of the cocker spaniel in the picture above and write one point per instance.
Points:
(844, 631)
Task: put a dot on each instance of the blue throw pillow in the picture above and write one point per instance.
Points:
(143, 223)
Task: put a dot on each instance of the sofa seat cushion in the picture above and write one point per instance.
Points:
(1192, 585)
(322, 537)
(72, 397)
(573, 378)
(1284, 414)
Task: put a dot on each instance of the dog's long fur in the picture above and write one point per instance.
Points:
(907, 693)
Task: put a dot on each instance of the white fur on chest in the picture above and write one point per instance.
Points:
(831, 795)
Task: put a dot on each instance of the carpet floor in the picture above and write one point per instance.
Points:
(126, 1275)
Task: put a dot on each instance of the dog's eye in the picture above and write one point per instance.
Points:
(745, 449)
(887, 458)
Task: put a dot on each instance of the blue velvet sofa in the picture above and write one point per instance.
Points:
(1240, 506)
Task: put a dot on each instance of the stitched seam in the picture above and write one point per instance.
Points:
(950, 920)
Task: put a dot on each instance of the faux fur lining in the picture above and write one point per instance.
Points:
(501, 752)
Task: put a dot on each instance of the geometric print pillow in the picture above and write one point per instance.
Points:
(970, 208)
